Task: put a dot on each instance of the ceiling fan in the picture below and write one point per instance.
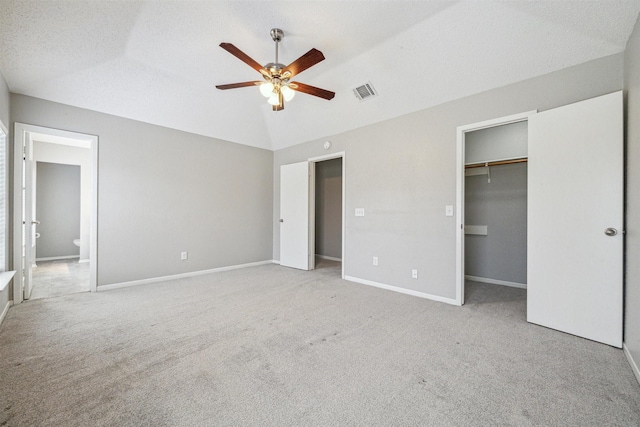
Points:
(277, 86)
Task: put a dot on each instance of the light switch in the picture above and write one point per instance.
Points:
(448, 210)
(359, 211)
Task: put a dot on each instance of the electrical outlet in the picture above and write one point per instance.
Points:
(414, 274)
(359, 211)
(184, 255)
(375, 260)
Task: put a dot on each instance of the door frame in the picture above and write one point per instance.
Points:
(460, 163)
(5, 213)
(19, 135)
(312, 206)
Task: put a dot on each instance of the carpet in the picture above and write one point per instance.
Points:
(273, 346)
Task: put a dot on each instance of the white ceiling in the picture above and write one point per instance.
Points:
(159, 61)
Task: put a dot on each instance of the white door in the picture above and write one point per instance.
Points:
(29, 182)
(575, 219)
(294, 215)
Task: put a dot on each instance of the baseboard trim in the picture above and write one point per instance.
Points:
(634, 366)
(275, 261)
(179, 276)
(401, 290)
(496, 282)
(330, 258)
(54, 258)
(4, 312)
(82, 261)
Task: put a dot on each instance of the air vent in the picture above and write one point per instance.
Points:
(365, 91)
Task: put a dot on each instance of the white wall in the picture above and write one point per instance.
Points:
(632, 227)
(163, 191)
(402, 172)
(68, 155)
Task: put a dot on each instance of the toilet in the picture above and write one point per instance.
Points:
(76, 242)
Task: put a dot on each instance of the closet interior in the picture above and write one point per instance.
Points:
(495, 205)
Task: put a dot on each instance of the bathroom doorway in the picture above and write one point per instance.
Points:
(55, 196)
(60, 268)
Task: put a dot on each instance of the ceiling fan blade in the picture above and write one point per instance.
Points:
(312, 90)
(244, 58)
(237, 85)
(307, 60)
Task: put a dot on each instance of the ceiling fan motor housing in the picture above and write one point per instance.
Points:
(275, 69)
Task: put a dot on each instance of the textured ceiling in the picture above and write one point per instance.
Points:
(159, 61)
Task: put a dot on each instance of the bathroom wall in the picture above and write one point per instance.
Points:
(58, 210)
(68, 155)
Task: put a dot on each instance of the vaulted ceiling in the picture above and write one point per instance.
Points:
(159, 61)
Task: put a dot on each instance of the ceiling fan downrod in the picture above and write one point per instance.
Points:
(275, 68)
(277, 34)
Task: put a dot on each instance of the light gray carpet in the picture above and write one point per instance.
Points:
(272, 346)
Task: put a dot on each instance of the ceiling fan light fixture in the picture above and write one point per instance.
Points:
(266, 89)
(274, 99)
(287, 93)
(276, 86)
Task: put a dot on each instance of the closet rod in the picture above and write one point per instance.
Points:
(496, 163)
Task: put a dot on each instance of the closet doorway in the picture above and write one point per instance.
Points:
(298, 222)
(575, 217)
(492, 205)
(328, 213)
(495, 212)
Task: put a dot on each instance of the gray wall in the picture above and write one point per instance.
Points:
(496, 143)
(57, 209)
(402, 172)
(501, 205)
(69, 155)
(632, 237)
(329, 208)
(163, 191)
